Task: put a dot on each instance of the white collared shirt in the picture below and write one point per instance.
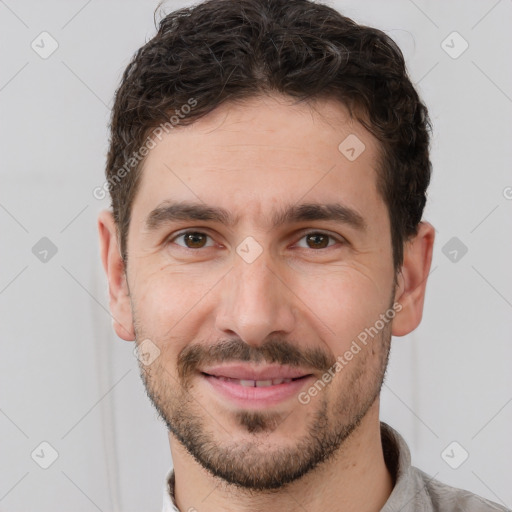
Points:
(168, 504)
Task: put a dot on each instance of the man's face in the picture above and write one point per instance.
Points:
(262, 300)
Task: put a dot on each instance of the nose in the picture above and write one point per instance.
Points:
(256, 302)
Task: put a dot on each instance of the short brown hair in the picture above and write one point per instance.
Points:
(222, 50)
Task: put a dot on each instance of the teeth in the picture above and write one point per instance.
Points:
(257, 383)
(263, 383)
(275, 382)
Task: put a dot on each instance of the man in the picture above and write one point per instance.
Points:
(268, 169)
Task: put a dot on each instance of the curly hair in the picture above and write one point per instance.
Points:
(227, 50)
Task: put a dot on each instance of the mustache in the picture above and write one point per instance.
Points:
(194, 356)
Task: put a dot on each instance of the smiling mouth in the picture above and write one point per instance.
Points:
(249, 383)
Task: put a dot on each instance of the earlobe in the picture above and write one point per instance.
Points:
(412, 280)
(119, 298)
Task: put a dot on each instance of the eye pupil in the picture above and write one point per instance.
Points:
(189, 237)
(316, 236)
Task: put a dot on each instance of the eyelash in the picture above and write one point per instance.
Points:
(183, 233)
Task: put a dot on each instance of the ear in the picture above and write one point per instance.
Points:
(412, 280)
(113, 264)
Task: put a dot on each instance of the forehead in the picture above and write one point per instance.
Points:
(252, 157)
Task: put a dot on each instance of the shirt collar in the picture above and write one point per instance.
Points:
(168, 504)
(396, 455)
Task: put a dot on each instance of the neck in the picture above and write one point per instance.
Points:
(354, 479)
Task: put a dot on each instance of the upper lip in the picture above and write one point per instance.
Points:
(255, 372)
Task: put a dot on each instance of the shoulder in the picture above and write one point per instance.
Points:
(445, 498)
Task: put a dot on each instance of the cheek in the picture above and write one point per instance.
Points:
(166, 302)
(342, 302)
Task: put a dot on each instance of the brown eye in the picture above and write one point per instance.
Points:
(192, 239)
(318, 240)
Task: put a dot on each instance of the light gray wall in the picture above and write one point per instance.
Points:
(65, 378)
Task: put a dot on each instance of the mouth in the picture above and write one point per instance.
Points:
(250, 383)
(253, 387)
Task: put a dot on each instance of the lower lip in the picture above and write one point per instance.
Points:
(256, 397)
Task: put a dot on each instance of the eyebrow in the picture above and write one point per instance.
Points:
(170, 211)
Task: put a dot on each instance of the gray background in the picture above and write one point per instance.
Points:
(65, 378)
